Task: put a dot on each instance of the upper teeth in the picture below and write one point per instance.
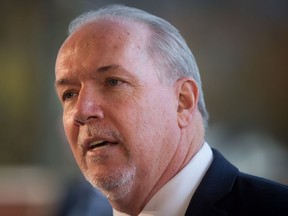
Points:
(95, 143)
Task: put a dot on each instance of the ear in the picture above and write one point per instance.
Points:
(187, 100)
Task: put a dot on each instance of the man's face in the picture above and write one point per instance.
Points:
(120, 121)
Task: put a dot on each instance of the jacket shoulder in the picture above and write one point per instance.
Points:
(226, 191)
(252, 195)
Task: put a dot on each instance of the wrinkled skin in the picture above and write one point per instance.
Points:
(110, 92)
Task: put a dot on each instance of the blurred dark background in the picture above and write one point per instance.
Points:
(241, 48)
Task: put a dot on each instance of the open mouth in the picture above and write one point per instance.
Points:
(98, 144)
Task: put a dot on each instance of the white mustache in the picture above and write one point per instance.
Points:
(93, 130)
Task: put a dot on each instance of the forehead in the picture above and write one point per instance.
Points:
(102, 44)
(103, 38)
(106, 34)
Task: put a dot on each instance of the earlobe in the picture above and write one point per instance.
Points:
(187, 101)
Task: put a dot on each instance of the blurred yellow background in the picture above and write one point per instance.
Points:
(241, 48)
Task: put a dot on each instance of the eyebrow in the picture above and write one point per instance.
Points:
(108, 68)
(103, 69)
(62, 82)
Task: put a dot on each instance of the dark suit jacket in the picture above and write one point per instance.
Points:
(226, 191)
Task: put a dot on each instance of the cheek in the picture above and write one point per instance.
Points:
(152, 126)
(71, 130)
(153, 143)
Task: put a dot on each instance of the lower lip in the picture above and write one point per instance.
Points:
(101, 150)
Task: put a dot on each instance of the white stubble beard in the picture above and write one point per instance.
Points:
(114, 184)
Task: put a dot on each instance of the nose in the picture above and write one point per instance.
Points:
(88, 107)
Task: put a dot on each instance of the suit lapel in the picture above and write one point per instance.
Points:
(217, 182)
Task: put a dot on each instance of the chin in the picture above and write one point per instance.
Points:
(114, 183)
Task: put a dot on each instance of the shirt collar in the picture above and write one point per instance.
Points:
(174, 197)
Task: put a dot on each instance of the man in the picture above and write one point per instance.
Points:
(134, 115)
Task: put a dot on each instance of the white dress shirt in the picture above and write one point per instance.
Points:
(174, 197)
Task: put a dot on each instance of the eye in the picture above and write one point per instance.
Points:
(68, 96)
(113, 82)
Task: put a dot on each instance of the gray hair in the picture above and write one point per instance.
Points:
(167, 47)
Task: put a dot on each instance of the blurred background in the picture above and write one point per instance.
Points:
(241, 48)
